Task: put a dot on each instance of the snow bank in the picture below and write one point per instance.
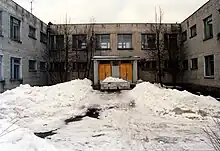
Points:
(13, 138)
(112, 79)
(41, 106)
(164, 101)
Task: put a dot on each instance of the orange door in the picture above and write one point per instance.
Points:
(104, 71)
(126, 71)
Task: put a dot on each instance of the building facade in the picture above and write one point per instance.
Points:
(22, 45)
(112, 40)
(201, 46)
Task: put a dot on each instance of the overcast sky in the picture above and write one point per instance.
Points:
(81, 11)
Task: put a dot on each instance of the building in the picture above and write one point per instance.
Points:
(22, 45)
(200, 48)
(123, 50)
(96, 50)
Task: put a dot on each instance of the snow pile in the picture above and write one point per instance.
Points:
(48, 105)
(13, 138)
(112, 79)
(163, 101)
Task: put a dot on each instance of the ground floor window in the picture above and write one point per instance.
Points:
(42, 66)
(194, 63)
(209, 65)
(15, 68)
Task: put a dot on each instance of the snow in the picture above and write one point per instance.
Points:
(112, 79)
(146, 118)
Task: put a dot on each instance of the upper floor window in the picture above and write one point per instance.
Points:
(184, 36)
(1, 23)
(32, 32)
(103, 41)
(148, 41)
(57, 42)
(43, 37)
(170, 41)
(124, 41)
(80, 42)
(208, 27)
(15, 26)
(193, 31)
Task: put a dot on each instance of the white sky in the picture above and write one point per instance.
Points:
(81, 11)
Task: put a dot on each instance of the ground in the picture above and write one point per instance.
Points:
(146, 118)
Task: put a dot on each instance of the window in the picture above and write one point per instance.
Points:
(32, 65)
(42, 66)
(209, 66)
(1, 68)
(43, 37)
(32, 32)
(194, 63)
(148, 41)
(103, 41)
(79, 42)
(149, 65)
(15, 68)
(208, 28)
(41, 26)
(193, 31)
(57, 42)
(82, 66)
(15, 29)
(184, 36)
(170, 41)
(57, 66)
(1, 23)
(124, 41)
(185, 65)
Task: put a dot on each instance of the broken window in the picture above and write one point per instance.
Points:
(208, 27)
(103, 41)
(32, 32)
(209, 65)
(148, 41)
(124, 41)
(194, 63)
(193, 31)
(79, 42)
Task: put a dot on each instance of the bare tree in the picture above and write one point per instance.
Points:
(57, 54)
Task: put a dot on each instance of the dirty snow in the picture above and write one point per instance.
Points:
(145, 118)
(112, 79)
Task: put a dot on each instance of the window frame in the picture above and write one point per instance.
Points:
(192, 64)
(35, 65)
(144, 40)
(185, 35)
(44, 41)
(191, 31)
(1, 23)
(124, 43)
(12, 72)
(1, 67)
(186, 68)
(76, 44)
(32, 36)
(45, 66)
(206, 21)
(211, 76)
(12, 29)
(108, 43)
